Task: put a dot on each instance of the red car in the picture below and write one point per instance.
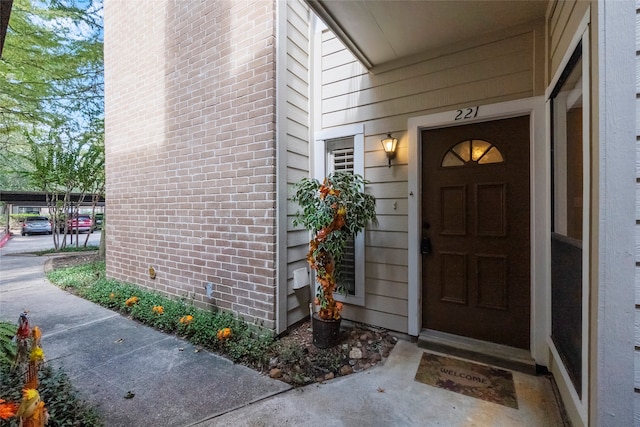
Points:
(79, 224)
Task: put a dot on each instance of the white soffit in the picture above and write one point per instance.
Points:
(384, 31)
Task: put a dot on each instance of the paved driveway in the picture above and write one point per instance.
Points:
(41, 242)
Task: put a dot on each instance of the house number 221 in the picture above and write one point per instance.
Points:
(467, 113)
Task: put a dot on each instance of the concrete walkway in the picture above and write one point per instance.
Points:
(109, 356)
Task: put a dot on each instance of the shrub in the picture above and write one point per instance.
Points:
(244, 342)
(334, 211)
(7, 345)
(61, 399)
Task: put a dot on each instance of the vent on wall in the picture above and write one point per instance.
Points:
(300, 278)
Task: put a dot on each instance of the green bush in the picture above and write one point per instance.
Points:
(22, 216)
(61, 399)
(7, 345)
(248, 344)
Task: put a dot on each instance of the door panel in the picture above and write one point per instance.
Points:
(453, 281)
(453, 217)
(475, 204)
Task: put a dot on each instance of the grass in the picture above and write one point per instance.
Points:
(248, 343)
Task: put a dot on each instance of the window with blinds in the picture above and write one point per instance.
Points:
(340, 155)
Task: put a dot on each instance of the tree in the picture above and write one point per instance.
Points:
(63, 163)
(51, 77)
(52, 103)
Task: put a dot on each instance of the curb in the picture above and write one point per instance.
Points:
(48, 264)
(5, 238)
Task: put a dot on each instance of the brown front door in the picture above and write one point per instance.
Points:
(475, 207)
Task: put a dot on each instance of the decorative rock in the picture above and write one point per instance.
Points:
(329, 376)
(346, 370)
(386, 350)
(367, 365)
(376, 357)
(355, 353)
(275, 373)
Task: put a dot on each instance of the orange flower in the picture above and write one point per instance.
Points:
(36, 333)
(158, 309)
(7, 409)
(132, 301)
(224, 334)
(322, 234)
(186, 319)
(112, 295)
(324, 190)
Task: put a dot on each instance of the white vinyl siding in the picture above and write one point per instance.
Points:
(563, 19)
(297, 153)
(486, 70)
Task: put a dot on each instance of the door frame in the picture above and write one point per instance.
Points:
(539, 214)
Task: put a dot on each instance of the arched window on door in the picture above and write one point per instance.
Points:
(472, 151)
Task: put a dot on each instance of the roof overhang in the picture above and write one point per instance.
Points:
(37, 198)
(379, 32)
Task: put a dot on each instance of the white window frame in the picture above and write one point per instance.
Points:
(320, 171)
(581, 36)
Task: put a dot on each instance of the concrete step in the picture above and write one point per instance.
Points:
(502, 356)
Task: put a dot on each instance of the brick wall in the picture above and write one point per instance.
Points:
(190, 150)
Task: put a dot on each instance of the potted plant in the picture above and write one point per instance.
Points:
(334, 211)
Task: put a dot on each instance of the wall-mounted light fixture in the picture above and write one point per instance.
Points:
(390, 144)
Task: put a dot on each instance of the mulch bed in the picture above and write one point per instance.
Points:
(63, 261)
(296, 360)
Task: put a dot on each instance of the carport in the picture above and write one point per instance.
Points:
(39, 199)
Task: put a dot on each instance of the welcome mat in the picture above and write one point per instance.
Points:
(468, 378)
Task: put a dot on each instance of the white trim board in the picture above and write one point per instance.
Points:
(540, 208)
(281, 170)
(320, 171)
(581, 404)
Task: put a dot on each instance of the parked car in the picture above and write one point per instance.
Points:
(79, 224)
(97, 221)
(36, 225)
